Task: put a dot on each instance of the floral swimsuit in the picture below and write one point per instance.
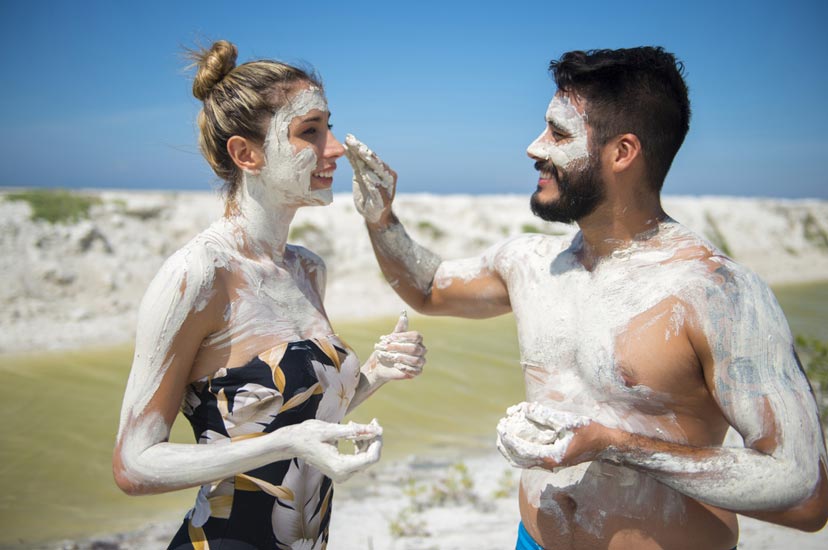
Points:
(286, 504)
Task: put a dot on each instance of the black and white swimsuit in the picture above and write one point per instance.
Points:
(286, 504)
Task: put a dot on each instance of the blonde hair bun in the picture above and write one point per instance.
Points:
(213, 65)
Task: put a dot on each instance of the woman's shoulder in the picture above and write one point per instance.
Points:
(193, 268)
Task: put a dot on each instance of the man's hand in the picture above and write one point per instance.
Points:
(374, 182)
(398, 355)
(532, 435)
(315, 443)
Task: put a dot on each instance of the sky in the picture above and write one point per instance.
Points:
(449, 94)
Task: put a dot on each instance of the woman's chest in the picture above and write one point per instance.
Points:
(284, 385)
(263, 307)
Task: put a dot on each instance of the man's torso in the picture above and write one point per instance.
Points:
(611, 344)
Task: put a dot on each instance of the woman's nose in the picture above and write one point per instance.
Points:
(333, 148)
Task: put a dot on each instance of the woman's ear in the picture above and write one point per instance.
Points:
(626, 151)
(246, 154)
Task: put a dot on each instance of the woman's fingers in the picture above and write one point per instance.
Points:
(409, 348)
(390, 359)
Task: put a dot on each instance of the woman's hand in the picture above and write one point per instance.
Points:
(397, 356)
(315, 441)
(374, 182)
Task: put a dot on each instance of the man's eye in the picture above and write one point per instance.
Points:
(557, 135)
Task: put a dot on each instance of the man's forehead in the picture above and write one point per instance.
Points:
(565, 105)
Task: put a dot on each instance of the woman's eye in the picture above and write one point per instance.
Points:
(330, 126)
(309, 132)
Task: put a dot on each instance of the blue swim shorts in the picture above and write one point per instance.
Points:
(525, 540)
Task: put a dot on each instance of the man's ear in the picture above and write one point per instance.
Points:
(246, 154)
(626, 151)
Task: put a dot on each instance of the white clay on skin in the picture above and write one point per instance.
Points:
(562, 112)
(373, 186)
(287, 172)
(569, 323)
(273, 293)
(371, 179)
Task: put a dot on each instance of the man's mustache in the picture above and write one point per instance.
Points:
(547, 166)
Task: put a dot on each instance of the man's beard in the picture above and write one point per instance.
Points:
(580, 193)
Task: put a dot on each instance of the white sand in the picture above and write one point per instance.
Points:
(366, 507)
(79, 285)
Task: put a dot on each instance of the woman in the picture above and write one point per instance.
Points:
(232, 330)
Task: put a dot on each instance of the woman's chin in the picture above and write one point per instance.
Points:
(321, 197)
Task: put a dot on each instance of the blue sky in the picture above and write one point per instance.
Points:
(94, 93)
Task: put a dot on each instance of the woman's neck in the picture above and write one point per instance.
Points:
(264, 217)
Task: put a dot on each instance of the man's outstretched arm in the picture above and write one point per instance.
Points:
(463, 288)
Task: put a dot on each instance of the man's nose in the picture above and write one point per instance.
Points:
(535, 150)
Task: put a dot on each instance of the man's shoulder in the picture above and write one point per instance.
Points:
(534, 244)
(692, 263)
(716, 277)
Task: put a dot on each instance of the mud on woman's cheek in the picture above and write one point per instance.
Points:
(287, 173)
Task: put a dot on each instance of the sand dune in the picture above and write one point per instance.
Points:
(80, 284)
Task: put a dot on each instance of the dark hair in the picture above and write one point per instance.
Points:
(636, 90)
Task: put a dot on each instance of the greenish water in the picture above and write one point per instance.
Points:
(60, 414)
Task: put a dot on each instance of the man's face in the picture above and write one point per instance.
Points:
(570, 184)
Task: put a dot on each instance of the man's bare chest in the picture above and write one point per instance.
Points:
(607, 338)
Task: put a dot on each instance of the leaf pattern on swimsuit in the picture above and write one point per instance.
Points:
(286, 504)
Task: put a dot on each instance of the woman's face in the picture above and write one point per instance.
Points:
(300, 150)
(313, 131)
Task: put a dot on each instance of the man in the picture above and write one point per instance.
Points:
(641, 343)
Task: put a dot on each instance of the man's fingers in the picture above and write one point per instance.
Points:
(517, 409)
(509, 454)
(559, 421)
(521, 450)
(369, 158)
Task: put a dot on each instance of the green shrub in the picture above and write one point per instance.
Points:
(715, 235)
(427, 227)
(55, 205)
(506, 485)
(546, 230)
(813, 233)
(303, 230)
(814, 356)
